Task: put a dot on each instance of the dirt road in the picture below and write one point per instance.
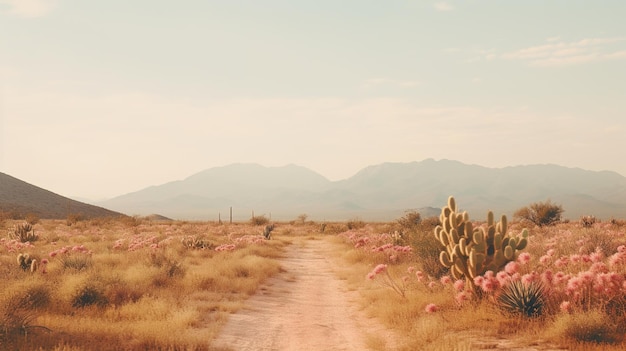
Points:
(304, 308)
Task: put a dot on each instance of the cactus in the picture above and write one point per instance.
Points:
(470, 252)
(27, 263)
(23, 233)
(267, 231)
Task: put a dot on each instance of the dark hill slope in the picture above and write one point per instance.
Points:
(22, 198)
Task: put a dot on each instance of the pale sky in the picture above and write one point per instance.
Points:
(101, 98)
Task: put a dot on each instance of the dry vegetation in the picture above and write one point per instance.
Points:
(130, 284)
(580, 268)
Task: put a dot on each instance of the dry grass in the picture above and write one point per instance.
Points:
(130, 284)
(135, 285)
(479, 323)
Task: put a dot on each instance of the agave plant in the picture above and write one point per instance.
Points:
(526, 299)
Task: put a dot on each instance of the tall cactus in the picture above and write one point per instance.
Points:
(470, 252)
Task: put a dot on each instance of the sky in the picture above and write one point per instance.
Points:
(102, 98)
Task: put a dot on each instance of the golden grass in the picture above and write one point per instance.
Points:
(159, 294)
(164, 295)
(479, 324)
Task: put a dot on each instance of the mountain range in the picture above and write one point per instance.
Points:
(381, 192)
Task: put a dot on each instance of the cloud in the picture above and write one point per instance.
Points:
(27, 8)
(443, 6)
(556, 52)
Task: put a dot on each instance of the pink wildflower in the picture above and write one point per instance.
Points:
(461, 297)
(565, 306)
(371, 275)
(380, 268)
(599, 267)
(419, 275)
(511, 267)
(459, 285)
(445, 280)
(431, 308)
(528, 278)
(410, 270)
(432, 285)
(478, 281)
(523, 258)
(561, 262)
(502, 277)
(488, 285)
(545, 260)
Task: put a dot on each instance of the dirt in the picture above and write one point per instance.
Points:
(306, 307)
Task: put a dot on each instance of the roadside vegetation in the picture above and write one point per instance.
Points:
(133, 284)
(126, 284)
(564, 289)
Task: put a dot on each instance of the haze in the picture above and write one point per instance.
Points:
(101, 98)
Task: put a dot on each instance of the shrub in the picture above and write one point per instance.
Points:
(23, 233)
(194, 242)
(522, 299)
(89, 295)
(355, 223)
(76, 262)
(590, 326)
(73, 218)
(18, 308)
(31, 218)
(588, 221)
(302, 218)
(540, 213)
(410, 220)
(259, 220)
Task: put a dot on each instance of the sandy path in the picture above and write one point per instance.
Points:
(304, 308)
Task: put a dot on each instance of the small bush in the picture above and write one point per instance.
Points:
(31, 218)
(355, 223)
(76, 262)
(540, 213)
(74, 218)
(590, 327)
(588, 221)
(410, 221)
(259, 220)
(195, 242)
(89, 295)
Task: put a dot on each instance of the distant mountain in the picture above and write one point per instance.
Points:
(21, 198)
(380, 192)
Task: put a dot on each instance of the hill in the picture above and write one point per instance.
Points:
(379, 192)
(20, 198)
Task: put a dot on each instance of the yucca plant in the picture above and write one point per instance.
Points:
(526, 299)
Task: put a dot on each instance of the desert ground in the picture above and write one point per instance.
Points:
(135, 284)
